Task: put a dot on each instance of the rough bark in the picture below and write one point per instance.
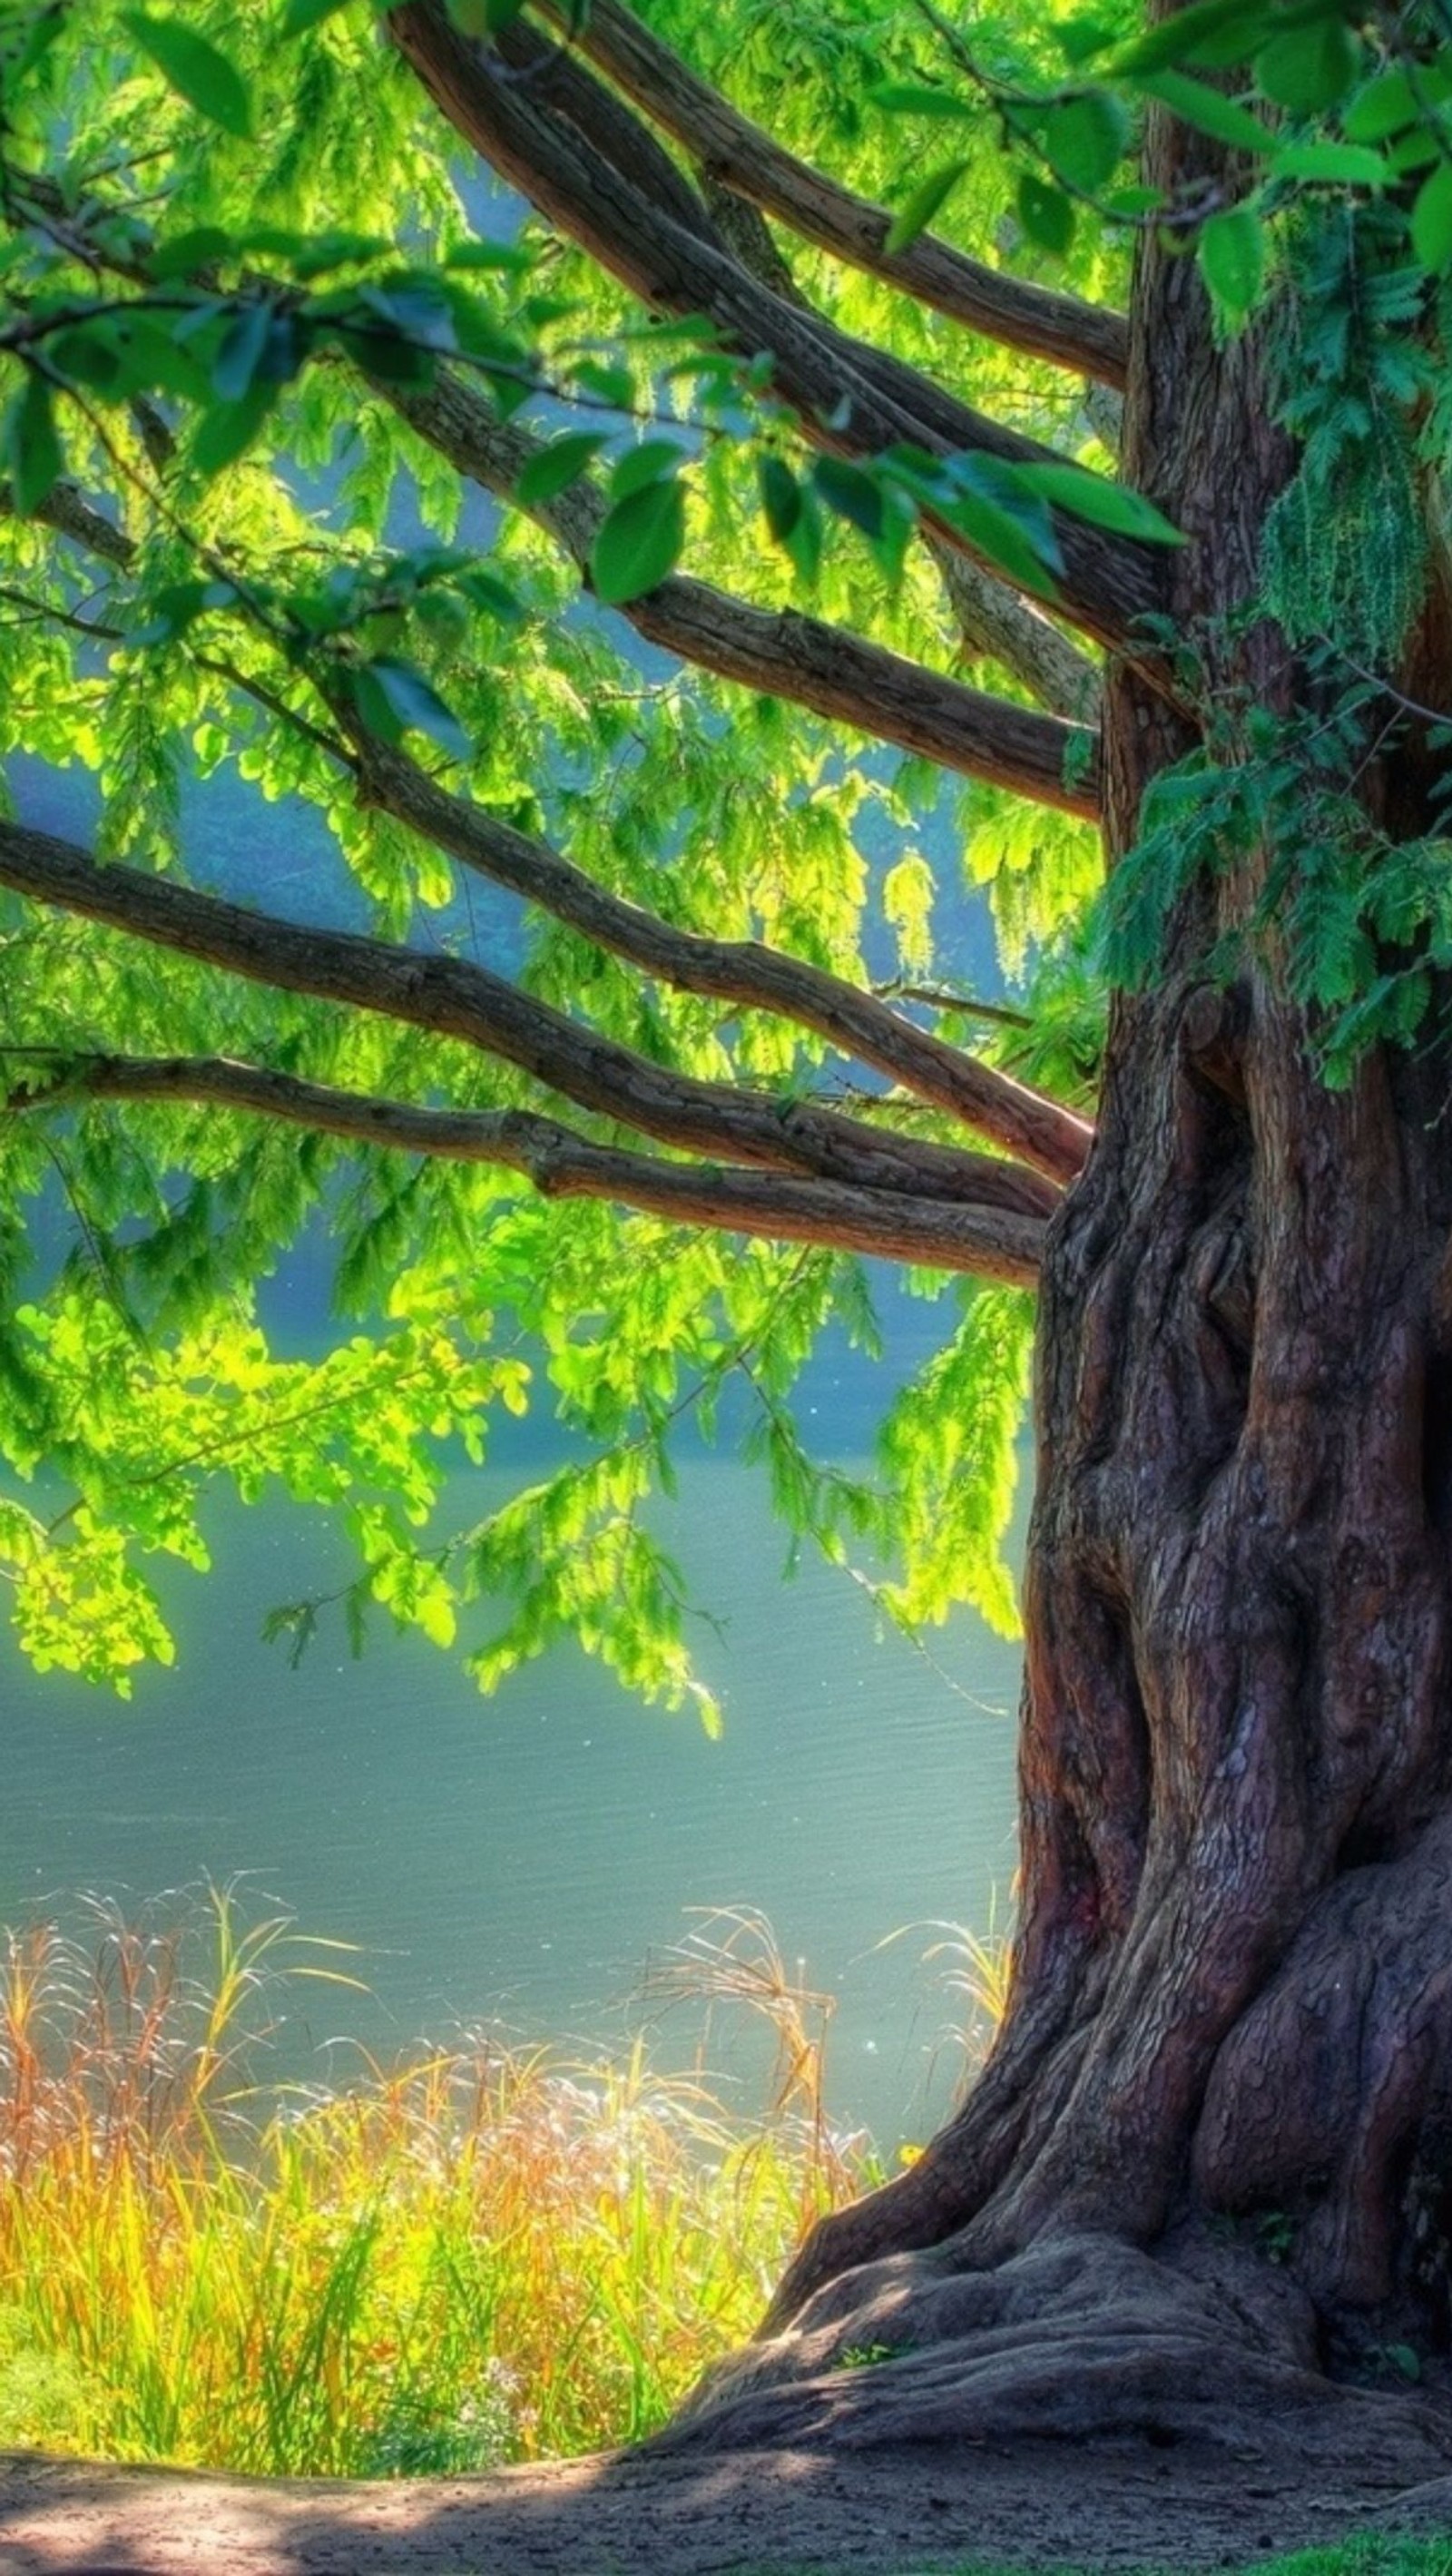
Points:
(1205, 2178)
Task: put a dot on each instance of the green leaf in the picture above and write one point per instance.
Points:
(491, 594)
(781, 495)
(416, 705)
(1432, 219)
(1104, 505)
(513, 256)
(1414, 151)
(1046, 214)
(650, 462)
(851, 493)
(178, 606)
(1308, 68)
(1002, 536)
(1232, 262)
(186, 252)
(302, 14)
(229, 428)
(915, 217)
(559, 465)
(32, 448)
(1085, 138)
(1348, 165)
(240, 355)
(1211, 32)
(913, 98)
(1195, 103)
(639, 543)
(1080, 39)
(614, 386)
(1390, 103)
(337, 250)
(194, 69)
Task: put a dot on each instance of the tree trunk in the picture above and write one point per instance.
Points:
(1205, 2180)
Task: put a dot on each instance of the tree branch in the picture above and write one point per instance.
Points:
(783, 654)
(1026, 1124)
(454, 998)
(1088, 338)
(747, 973)
(993, 1243)
(993, 619)
(990, 616)
(828, 378)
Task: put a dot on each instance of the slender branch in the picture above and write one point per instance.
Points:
(1087, 338)
(782, 654)
(454, 998)
(993, 619)
(993, 1243)
(831, 382)
(938, 997)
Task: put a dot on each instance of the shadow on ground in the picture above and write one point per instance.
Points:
(889, 2512)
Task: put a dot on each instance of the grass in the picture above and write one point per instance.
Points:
(486, 2255)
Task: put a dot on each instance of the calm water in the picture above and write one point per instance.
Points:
(521, 1857)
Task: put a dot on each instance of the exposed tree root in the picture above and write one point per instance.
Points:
(1209, 2341)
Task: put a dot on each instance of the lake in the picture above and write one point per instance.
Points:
(521, 1858)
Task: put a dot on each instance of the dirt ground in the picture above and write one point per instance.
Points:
(892, 2513)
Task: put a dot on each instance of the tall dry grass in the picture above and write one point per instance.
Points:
(487, 2255)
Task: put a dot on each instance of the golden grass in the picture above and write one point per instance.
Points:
(487, 2255)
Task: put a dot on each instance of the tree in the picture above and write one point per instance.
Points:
(1215, 2134)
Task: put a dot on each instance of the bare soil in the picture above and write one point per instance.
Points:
(891, 2512)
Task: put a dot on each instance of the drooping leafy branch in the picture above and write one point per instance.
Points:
(589, 986)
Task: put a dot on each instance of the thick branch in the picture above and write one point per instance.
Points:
(744, 972)
(1085, 337)
(828, 378)
(454, 998)
(784, 654)
(992, 1243)
(65, 510)
(1024, 1123)
(991, 617)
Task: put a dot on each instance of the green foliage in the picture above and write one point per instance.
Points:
(196, 69)
(950, 1447)
(220, 251)
(1347, 545)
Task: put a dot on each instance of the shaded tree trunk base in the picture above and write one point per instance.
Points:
(1208, 2343)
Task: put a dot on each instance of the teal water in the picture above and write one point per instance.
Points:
(522, 1858)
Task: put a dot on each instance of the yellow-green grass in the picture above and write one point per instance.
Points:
(487, 2255)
